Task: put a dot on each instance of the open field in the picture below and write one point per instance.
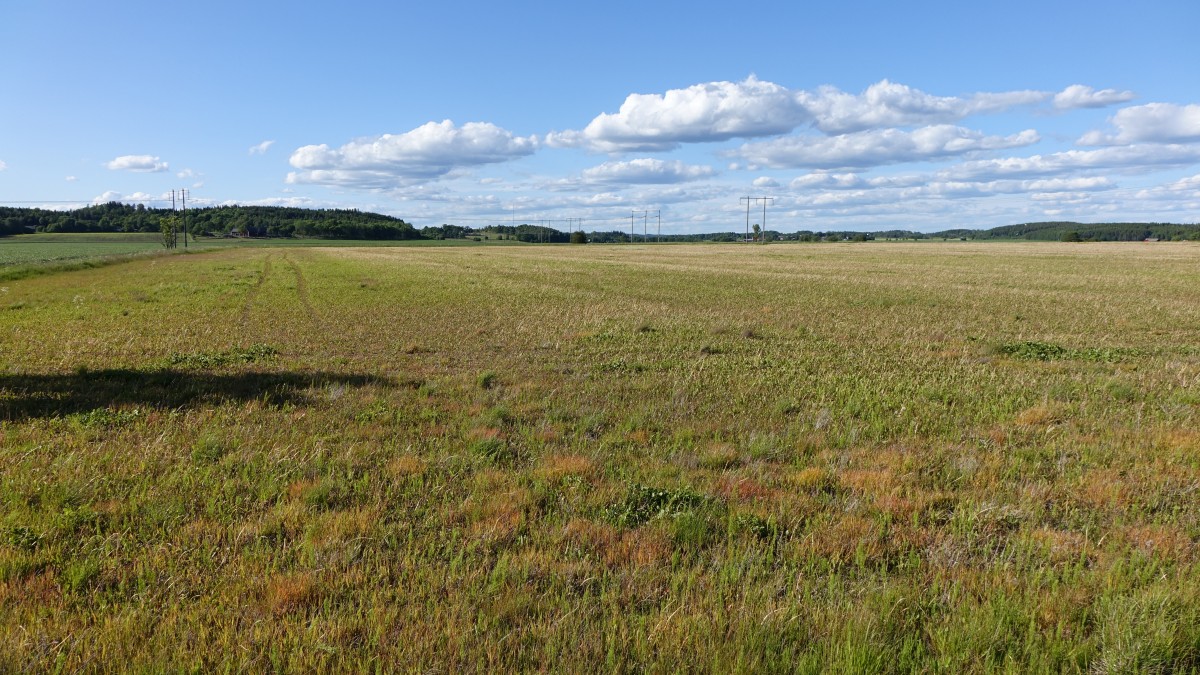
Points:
(858, 458)
(33, 254)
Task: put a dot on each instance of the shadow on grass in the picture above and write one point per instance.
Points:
(29, 396)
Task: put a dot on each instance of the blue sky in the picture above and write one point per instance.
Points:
(852, 116)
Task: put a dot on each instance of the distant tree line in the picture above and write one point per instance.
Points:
(1060, 231)
(279, 221)
(245, 221)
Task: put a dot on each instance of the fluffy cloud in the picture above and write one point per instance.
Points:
(1150, 123)
(261, 148)
(1184, 190)
(1082, 96)
(137, 163)
(425, 153)
(713, 111)
(1189, 184)
(888, 104)
(878, 147)
(3, 166)
(922, 193)
(646, 170)
(1131, 157)
(719, 111)
(293, 202)
(824, 180)
(136, 197)
(765, 182)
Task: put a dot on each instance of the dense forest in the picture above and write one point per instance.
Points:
(278, 221)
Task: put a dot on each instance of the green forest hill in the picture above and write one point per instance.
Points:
(277, 221)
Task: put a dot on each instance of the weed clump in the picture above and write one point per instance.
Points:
(642, 504)
(495, 450)
(22, 538)
(208, 450)
(763, 529)
(201, 360)
(80, 575)
(487, 380)
(104, 418)
(1031, 350)
(375, 412)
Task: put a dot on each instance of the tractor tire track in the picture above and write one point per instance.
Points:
(255, 290)
(302, 291)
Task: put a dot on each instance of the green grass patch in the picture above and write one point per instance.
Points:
(1032, 350)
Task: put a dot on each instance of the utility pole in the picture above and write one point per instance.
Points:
(183, 196)
(631, 226)
(646, 224)
(764, 227)
(756, 200)
(174, 234)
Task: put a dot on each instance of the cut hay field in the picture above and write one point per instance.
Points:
(849, 458)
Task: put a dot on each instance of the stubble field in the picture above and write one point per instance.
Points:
(874, 458)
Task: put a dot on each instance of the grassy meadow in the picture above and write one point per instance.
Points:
(724, 458)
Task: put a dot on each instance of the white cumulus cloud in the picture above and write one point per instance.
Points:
(261, 148)
(713, 111)
(425, 153)
(1083, 96)
(646, 170)
(753, 108)
(3, 166)
(1150, 123)
(137, 163)
(877, 147)
(765, 182)
(888, 104)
